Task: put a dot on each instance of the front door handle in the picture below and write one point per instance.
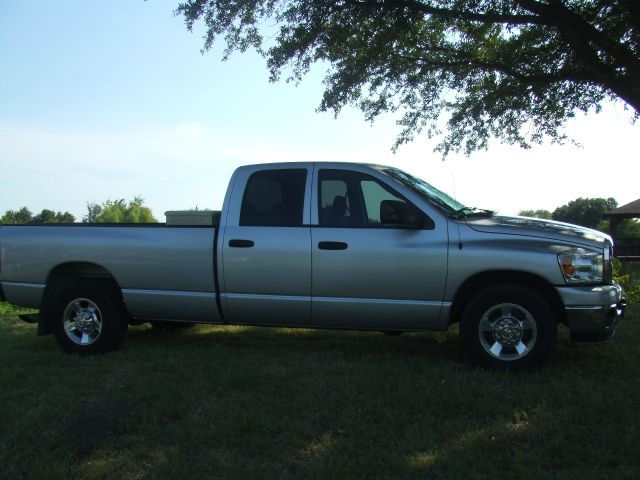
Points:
(332, 245)
(241, 243)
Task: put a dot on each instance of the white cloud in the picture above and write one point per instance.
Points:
(193, 130)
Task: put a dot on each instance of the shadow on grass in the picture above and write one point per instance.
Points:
(436, 346)
(249, 402)
(203, 339)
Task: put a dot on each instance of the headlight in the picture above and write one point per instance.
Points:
(608, 263)
(581, 266)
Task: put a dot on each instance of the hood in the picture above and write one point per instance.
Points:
(536, 227)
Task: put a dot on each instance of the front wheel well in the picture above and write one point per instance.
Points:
(484, 280)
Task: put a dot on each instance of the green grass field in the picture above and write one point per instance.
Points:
(250, 403)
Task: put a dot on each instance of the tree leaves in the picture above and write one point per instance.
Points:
(24, 215)
(111, 211)
(584, 211)
(119, 211)
(463, 71)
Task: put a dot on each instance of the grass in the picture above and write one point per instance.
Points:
(6, 307)
(251, 403)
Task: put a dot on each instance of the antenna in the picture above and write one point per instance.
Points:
(453, 182)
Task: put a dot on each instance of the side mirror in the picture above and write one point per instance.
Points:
(397, 212)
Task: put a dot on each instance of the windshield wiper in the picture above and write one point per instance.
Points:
(467, 212)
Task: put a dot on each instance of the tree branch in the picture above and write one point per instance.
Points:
(452, 14)
(561, 17)
(505, 69)
(586, 41)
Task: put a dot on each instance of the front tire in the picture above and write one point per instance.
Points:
(508, 326)
(88, 317)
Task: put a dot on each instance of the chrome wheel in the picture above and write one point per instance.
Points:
(507, 331)
(82, 321)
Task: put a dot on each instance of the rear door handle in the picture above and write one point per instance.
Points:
(241, 243)
(332, 245)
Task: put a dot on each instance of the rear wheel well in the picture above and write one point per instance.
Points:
(66, 274)
(484, 280)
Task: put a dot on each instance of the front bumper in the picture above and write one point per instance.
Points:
(593, 312)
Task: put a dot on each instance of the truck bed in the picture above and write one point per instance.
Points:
(163, 271)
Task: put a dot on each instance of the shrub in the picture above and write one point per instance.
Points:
(631, 288)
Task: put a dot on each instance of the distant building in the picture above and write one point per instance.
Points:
(624, 248)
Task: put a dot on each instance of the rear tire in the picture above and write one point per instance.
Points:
(89, 317)
(508, 326)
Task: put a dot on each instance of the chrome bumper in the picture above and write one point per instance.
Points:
(593, 312)
(594, 324)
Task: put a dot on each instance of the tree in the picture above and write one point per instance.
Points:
(93, 210)
(511, 69)
(625, 228)
(546, 214)
(49, 216)
(584, 211)
(629, 228)
(119, 211)
(24, 215)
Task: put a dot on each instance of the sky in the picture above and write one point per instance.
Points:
(110, 100)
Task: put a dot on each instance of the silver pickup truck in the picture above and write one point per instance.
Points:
(323, 245)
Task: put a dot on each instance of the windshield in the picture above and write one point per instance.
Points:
(440, 199)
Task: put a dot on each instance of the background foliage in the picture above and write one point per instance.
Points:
(623, 277)
(24, 215)
(119, 211)
(110, 211)
(540, 213)
(584, 211)
(588, 212)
